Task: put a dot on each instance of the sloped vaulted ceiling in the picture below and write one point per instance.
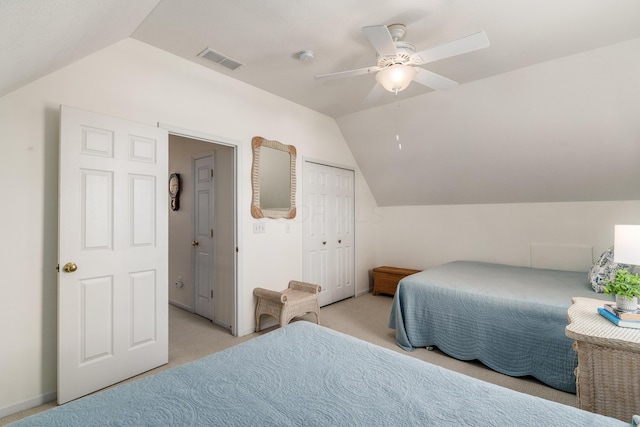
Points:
(41, 36)
(564, 130)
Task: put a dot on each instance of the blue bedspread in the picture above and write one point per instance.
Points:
(510, 318)
(308, 375)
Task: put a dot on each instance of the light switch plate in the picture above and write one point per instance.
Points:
(259, 228)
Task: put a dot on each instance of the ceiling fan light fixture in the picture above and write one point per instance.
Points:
(396, 78)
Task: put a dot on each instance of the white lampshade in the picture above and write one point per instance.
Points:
(626, 246)
(396, 77)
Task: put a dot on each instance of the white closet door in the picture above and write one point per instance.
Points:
(328, 224)
(315, 226)
(343, 207)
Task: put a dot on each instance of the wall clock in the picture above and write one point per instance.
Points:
(174, 191)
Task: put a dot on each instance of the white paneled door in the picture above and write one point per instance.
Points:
(203, 233)
(112, 284)
(343, 208)
(328, 230)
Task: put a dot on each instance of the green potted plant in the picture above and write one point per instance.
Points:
(626, 287)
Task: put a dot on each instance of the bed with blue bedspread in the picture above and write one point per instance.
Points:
(307, 375)
(510, 318)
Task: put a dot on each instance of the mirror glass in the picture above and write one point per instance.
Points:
(273, 179)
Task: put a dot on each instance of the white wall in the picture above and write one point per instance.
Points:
(135, 81)
(424, 236)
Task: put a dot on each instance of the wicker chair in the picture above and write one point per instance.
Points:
(298, 299)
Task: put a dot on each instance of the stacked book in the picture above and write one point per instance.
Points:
(626, 319)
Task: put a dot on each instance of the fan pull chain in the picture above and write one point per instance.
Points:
(397, 116)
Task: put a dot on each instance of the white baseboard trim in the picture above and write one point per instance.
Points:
(363, 292)
(27, 404)
(265, 323)
(181, 305)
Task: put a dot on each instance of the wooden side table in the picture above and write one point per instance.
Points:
(385, 279)
(608, 372)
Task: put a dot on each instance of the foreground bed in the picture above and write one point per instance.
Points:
(306, 375)
(510, 318)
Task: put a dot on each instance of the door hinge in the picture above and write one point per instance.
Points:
(236, 249)
(211, 293)
(212, 232)
(58, 268)
(211, 173)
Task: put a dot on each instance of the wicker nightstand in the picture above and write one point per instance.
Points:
(608, 372)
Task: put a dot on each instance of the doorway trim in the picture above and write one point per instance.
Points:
(238, 197)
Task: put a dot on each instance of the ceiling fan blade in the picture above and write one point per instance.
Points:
(457, 47)
(350, 73)
(433, 80)
(380, 37)
(376, 92)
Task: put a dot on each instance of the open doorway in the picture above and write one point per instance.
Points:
(183, 233)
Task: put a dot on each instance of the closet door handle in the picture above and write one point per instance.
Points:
(324, 243)
(339, 241)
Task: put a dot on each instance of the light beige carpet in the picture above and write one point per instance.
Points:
(192, 337)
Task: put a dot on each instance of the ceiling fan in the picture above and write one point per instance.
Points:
(396, 60)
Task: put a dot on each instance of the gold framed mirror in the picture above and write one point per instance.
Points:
(273, 179)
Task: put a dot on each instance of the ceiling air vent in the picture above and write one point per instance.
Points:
(220, 59)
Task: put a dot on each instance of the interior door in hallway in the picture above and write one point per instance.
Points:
(112, 284)
(328, 230)
(203, 236)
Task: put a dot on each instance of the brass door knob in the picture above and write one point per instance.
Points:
(70, 267)
(195, 243)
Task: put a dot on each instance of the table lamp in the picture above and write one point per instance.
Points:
(626, 245)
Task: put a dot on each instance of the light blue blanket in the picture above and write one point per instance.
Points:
(510, 318)
(308, 375)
